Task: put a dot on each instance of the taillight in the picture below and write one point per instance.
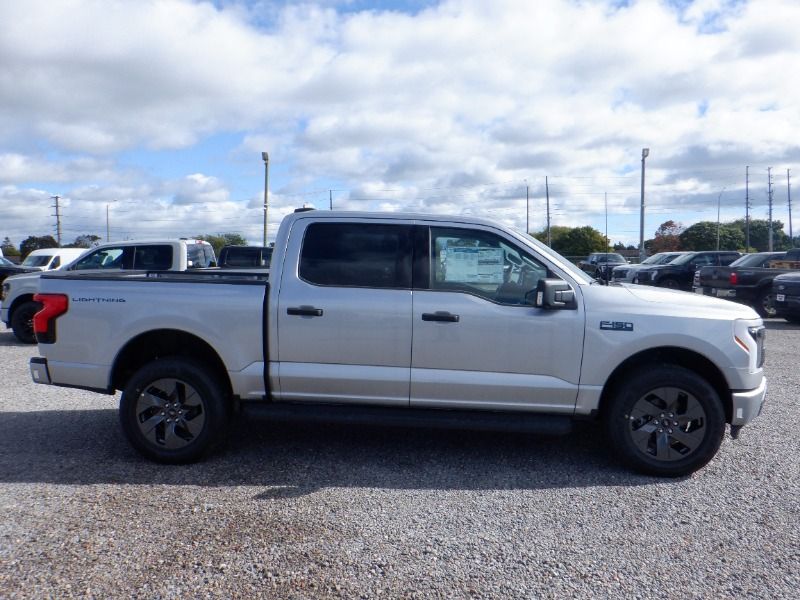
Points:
(734, 278)
(44, 321)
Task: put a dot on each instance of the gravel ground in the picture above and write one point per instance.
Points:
(361, 512)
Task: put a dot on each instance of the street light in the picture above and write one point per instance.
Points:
(719, 201)
(265, 158)
(645, 154)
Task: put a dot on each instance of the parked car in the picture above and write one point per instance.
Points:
(432, 319)
(747, 280)
(47, 259)
(18, 304)
(600, 264)
(786, 289)
(626, 273)
(245, 257)
(678, 274)
(8, 268)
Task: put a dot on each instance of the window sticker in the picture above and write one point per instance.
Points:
(473, 265)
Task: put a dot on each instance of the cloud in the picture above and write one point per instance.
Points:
(457, 98)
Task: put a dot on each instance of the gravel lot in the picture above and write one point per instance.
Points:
(336, 511)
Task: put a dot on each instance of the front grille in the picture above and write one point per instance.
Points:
(758, 334)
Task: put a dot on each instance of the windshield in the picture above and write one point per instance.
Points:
(661, 258)
(37, 261)
(755, 260)
(5, 262)
(683, 259)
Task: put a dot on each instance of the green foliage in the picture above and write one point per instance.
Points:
(703, 236)
(574, 241)
(8, 248)
(759, 234)
(32, 243)
(223, 239)
(84, 241)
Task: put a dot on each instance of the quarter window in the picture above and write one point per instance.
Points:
(484, 264)
(357, 255)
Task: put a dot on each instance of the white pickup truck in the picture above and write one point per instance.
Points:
(408, 318)
(18, 306)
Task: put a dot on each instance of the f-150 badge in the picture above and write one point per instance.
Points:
(616, 325)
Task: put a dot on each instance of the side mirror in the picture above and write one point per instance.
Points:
(553, 294)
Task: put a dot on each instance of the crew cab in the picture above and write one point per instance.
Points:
(679, 274)
(18, 305)
(452, 321)
(747, 280)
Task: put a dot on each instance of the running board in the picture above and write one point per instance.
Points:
(477, 420)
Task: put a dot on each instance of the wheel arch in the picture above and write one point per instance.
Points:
(19, 301)
(163, 343)
(669, 355)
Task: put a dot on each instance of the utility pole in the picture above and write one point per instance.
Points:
(719, 203)
(645, 154)
(108, 229)
(789, 196)
(528, 209)
(330, 199)
(58, 218)
(605, 199)
(265, 158)
(747, 208)
(769, 194)
(547, 193)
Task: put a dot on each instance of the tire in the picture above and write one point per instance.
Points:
(180, 389)
(765, 304)
(794, 319)
(22, 321)
(644, 435)
(670, 283)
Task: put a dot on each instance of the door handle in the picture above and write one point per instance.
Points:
(304, 311)
(445, 317)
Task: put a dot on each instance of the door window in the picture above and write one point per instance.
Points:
(357, 255)
(483, 264)
(154, 258)
(107, 258)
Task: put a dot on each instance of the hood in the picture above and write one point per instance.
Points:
(631, 296)
(28, 274)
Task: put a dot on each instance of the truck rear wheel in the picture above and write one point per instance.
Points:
(665, 421)
(173, 410)
(22, 321)
(670, 283)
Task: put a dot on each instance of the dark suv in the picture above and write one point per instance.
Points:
(679, 273)
(600, 264)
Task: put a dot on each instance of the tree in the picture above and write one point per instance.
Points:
(32, 243)
(703, 236)
(223, 239)
(759, 234)
(667, 238)
(84, 241)
(8, 247)
(574, 241)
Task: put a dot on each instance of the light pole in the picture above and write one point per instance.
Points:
(265, 157)
(719, 201)
(108, 223)
(645, 154)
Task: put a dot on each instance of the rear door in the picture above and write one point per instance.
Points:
(344, 314)
(477, 341)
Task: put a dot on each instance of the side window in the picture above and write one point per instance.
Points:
(727, 259)
(198, 255)
(107, 258)
(56, 263)
(703, 260)
(484, 264)
(357, 255)
(153, 258)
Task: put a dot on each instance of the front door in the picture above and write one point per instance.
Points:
(477, 342)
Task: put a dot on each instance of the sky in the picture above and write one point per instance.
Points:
(148, 117)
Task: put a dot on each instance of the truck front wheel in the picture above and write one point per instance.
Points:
(764, 304)
(173, 410)
(665, 421)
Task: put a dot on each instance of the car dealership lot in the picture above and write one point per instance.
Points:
(295, 510)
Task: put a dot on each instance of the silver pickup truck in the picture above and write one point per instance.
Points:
(408, 318)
